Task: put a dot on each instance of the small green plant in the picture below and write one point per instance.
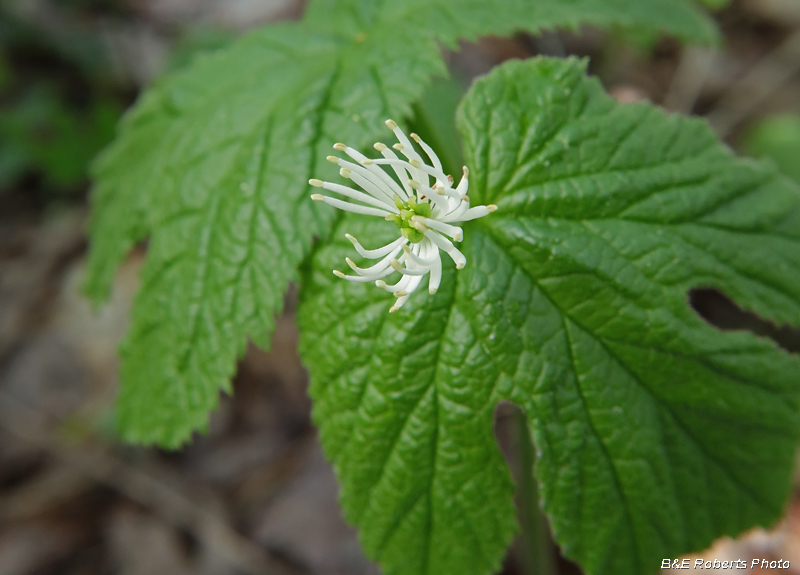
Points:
(44, 135)
(777, 138)
(52, 124)
(655, 432)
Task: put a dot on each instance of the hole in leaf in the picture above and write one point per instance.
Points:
(720, 311)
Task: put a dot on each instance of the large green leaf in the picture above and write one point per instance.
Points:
(212, 165)
(656, 432)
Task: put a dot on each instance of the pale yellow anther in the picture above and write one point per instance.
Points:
(316, 183)
(318, 197)
(391, 124)
(398, 147)
(450, 178)
(367, 162)
(415, 163)
(396, 264)
(400, 293)
(414, 184)
(465, 170)
(415, 137)
(380, 147)
(491, 208)
(345, 172)
(338, 274)
(333, 159)
(339, 146)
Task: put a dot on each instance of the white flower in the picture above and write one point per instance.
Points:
(425, 215)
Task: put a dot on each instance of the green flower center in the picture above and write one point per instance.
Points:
(408, 210)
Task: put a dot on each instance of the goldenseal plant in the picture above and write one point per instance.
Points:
(655, 432)
(423, 205)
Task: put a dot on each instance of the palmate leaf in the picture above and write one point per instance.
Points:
(656, 432)
(212, 166)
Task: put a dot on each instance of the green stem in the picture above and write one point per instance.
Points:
(434, 120)
(537, 543)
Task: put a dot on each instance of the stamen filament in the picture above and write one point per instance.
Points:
(364, 279)
(410, 255)
(437, 199)
(429, 151)
(407, 272)
(464, 183)
(408, 149)
(449, 192)
(455, 215)
(453, 231)
(366, 179)
(378, 252)
(377, 268)
(356, 195)
(399, 303)
(478, 212)
(401, 173)
(438, 174)
(348, 207)
(436, 275)
(399, 286)
(447, 246)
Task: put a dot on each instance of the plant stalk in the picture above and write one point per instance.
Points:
(537, 543)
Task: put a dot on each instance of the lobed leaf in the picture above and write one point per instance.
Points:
(212, 166)
(656, 433)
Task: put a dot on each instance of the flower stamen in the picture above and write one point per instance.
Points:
(424, 213)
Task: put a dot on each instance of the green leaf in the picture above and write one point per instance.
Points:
(472, 18)
(716, 4)
(212, 166)
(778, 138)
(656, 433)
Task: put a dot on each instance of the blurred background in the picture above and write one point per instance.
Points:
(255, 495)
